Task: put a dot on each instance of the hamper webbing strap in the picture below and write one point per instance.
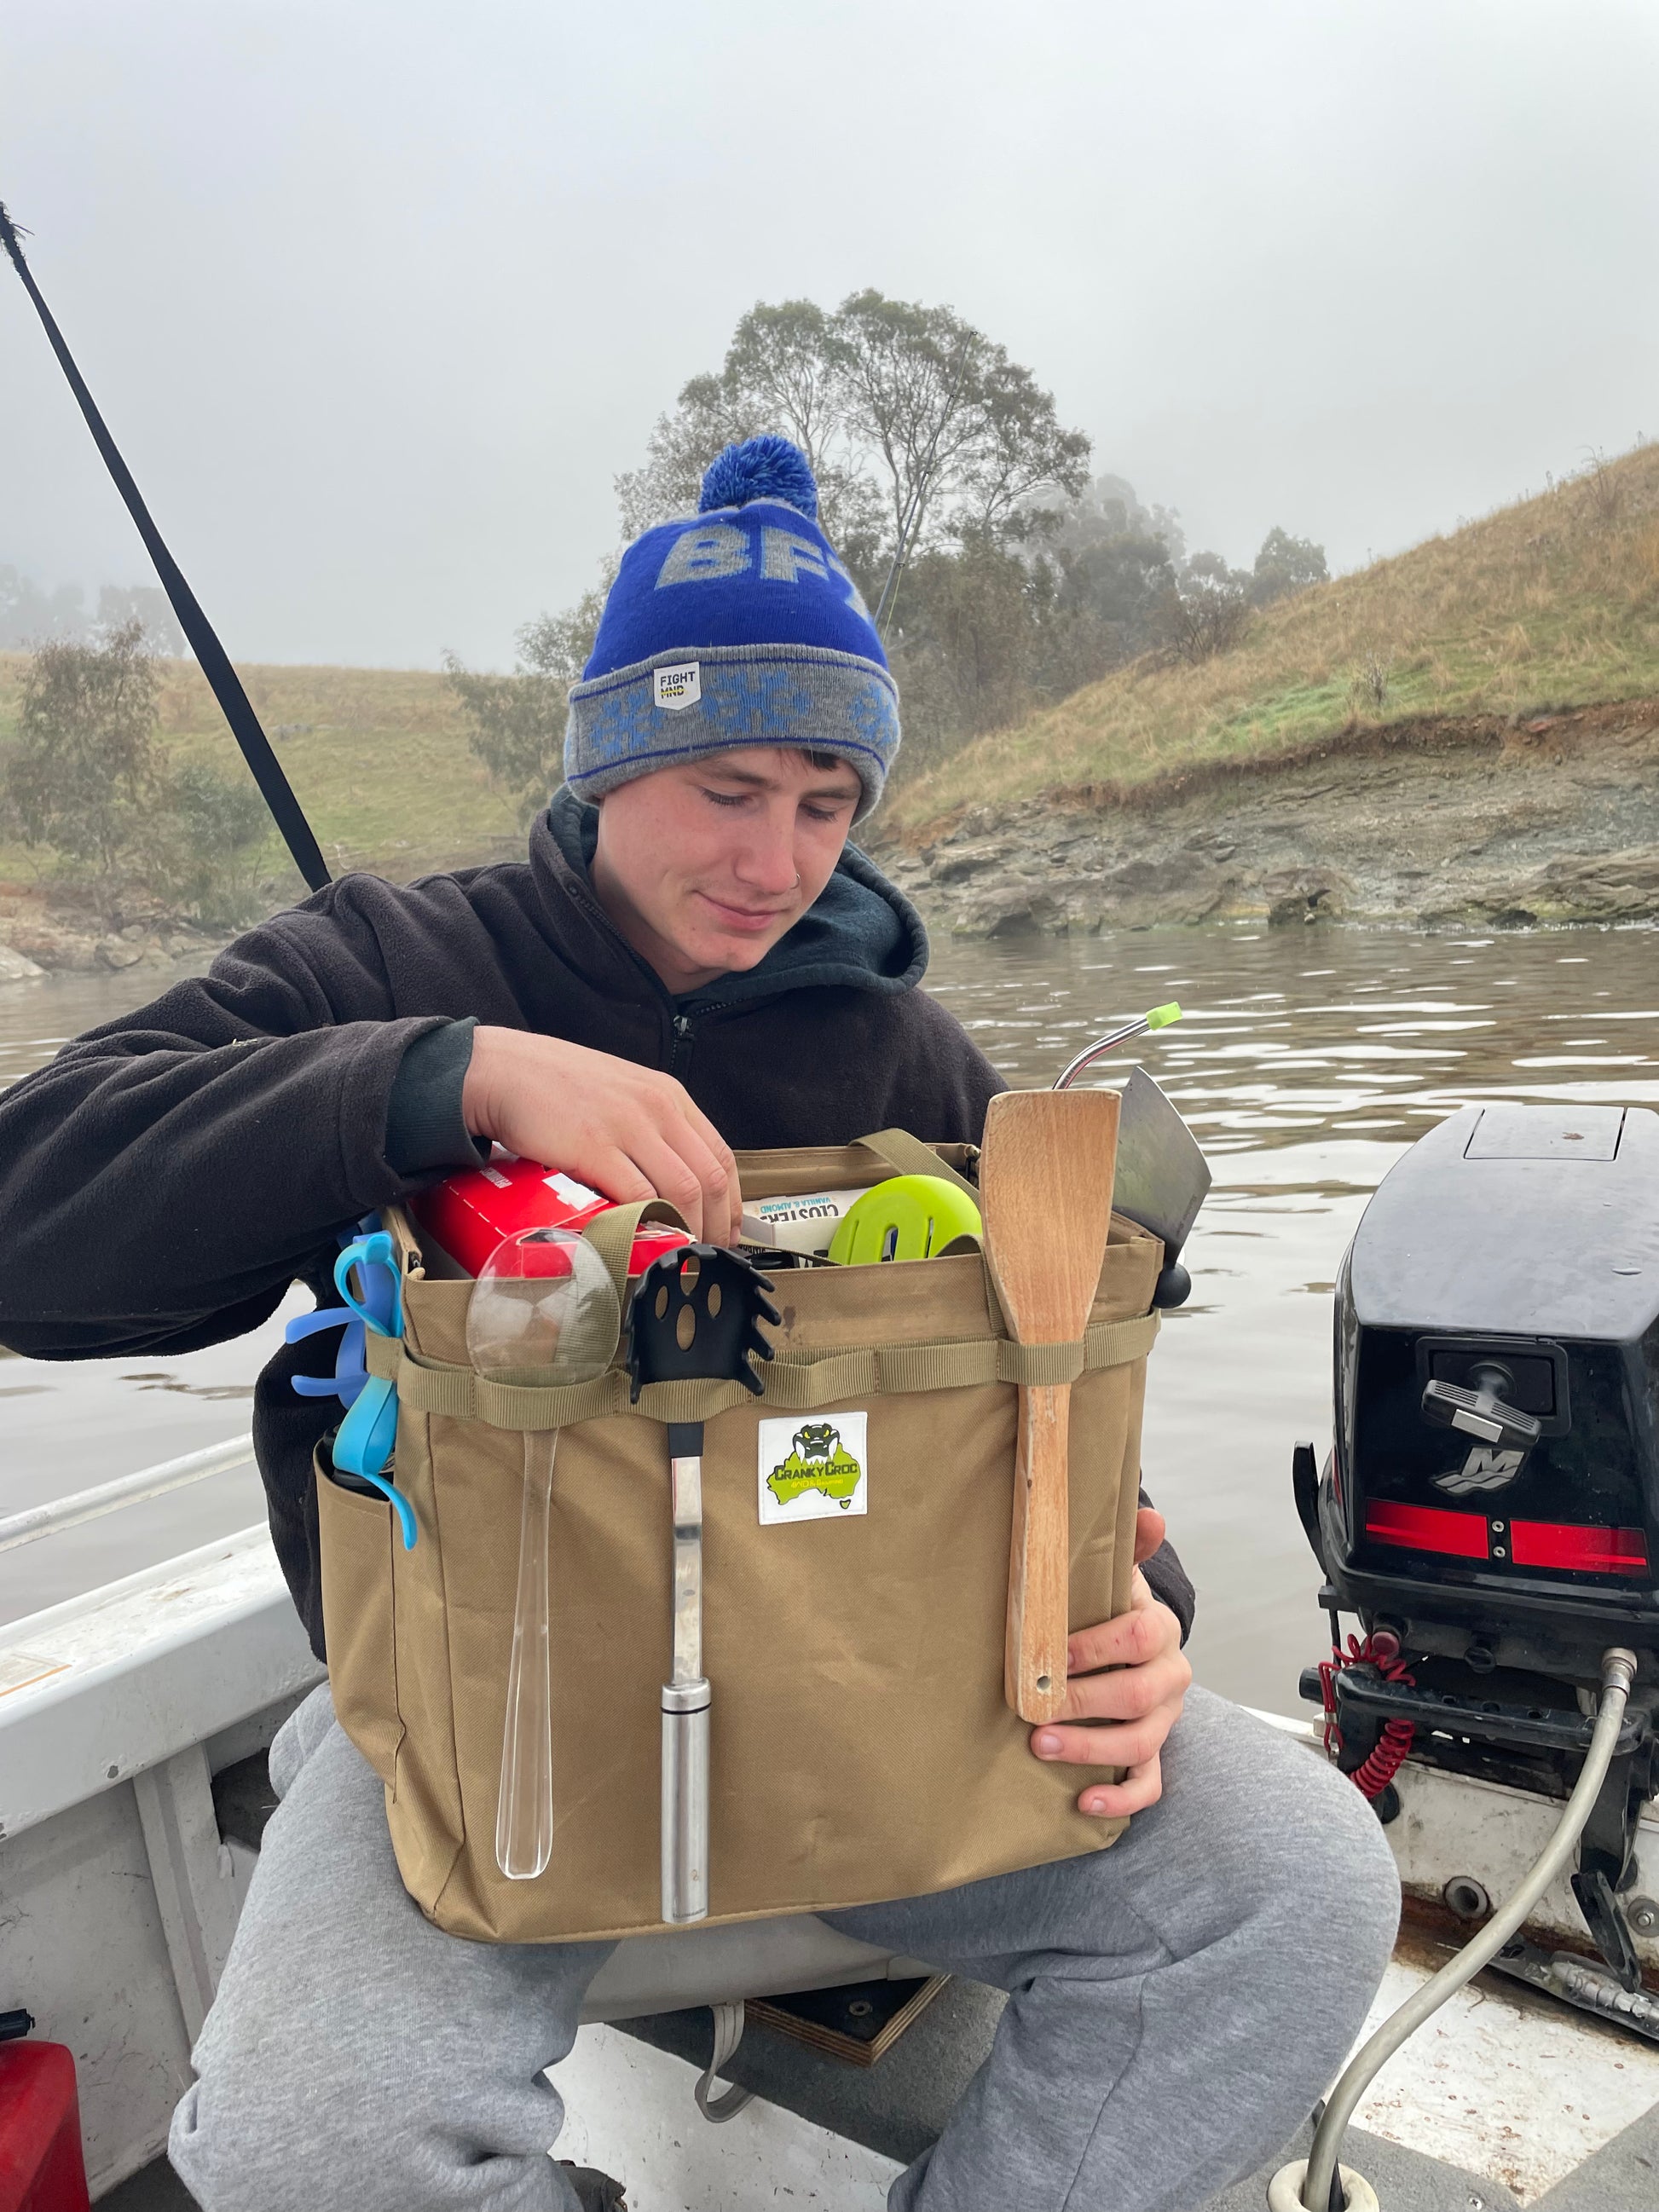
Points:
(898, 1148)
(611, 1236)
(792, 1386)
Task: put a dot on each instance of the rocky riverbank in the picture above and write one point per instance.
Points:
(40, 935)
(1477, 820)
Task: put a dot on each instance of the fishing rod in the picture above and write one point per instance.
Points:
(211, 657)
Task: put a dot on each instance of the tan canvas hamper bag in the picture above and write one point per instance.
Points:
(862, 1746)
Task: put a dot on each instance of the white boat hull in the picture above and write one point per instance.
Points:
(119, 1900)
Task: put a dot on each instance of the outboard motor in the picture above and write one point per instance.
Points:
(1491, 1507)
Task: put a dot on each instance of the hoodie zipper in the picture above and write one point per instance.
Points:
(679, 1058)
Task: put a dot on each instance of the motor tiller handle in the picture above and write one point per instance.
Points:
(1480, 1413)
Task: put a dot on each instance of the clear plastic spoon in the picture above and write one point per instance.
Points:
(542, 1312)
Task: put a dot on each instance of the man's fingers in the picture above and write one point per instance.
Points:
(687, 1135)
(1133, 1638)
(1129, 1693)
(713, 1167)
(616, 1177)
(674, 1176)
(1140, 1787)
(735, 1195)
(1122, 1743)
(1151, 1529)
(606, 1121)
(728, 1209)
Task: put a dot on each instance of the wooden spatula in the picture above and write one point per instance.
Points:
(1045, 1183)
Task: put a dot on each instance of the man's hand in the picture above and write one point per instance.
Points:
(1141, 1700)
(629, 1132)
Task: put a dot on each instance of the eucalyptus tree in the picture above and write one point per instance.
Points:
(918, 427)
(85, 769)
(515, 724)
(967, 439)
(925, 438)
(89, 777)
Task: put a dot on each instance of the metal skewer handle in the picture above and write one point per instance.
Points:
(685, 1802)
(1157, 1018)
(686, 1698)
(694, 1317)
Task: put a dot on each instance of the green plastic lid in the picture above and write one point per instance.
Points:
(906, 1217)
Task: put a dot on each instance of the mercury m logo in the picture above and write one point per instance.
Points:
(1484, 1470)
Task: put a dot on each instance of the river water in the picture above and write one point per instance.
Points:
(1307, 1061)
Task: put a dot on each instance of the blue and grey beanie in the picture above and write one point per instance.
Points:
(736, 626)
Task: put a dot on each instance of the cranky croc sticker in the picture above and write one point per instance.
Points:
(813, 1470)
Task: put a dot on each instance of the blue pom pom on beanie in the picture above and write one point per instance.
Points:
(736, 626)
(760, 468)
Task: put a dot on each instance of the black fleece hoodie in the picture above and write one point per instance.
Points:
(165, 1178)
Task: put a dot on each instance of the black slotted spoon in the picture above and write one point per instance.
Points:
(694, 1318)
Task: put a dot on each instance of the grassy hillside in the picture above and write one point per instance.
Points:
(379, 758)
(1551, 603)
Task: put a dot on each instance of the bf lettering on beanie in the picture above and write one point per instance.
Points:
(736, 626)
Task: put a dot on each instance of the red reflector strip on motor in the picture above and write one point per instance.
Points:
(1585, 1551)
(1425, 1528)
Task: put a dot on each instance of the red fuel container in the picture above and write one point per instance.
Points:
(469, 1213)
(40, 2163)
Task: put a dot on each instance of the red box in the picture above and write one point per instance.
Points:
(40, 2163)
(469, 1213)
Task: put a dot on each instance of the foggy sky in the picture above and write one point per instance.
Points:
(379, 298)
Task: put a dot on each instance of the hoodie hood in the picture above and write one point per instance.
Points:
(860, 933)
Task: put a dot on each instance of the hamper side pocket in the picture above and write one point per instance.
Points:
(357, 1536)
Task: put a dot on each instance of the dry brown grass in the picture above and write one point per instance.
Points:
(1553, 602)
(379, 758)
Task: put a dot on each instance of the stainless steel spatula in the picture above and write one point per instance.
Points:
(694, 1317)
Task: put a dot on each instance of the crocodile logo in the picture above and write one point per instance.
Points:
(813, 1470)
(818, 1461)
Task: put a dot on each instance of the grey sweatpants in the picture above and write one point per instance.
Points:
(1176, 2005)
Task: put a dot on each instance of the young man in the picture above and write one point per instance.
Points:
(692, 958)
